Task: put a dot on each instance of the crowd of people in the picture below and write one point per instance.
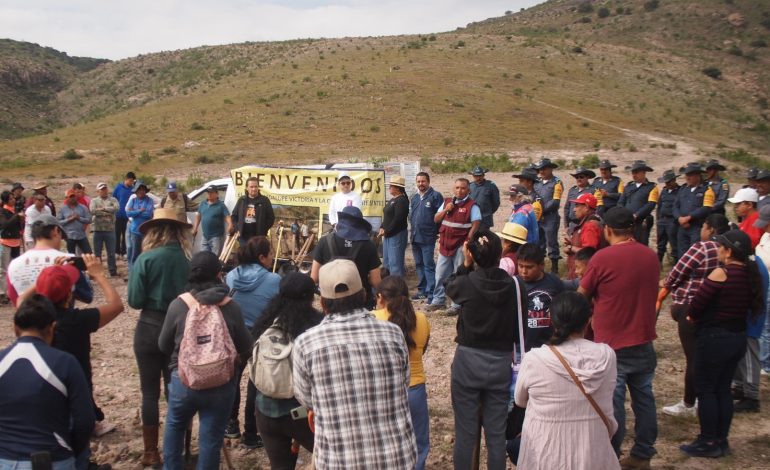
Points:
(544, 358)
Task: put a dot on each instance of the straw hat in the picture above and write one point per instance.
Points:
(514, 232)
(398, 181)
(163, 215)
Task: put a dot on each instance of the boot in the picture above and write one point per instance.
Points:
(555, 266)
(151, 456)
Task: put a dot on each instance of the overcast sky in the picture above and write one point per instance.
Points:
(116, 29)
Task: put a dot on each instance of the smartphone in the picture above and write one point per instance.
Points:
(298, 413)
(78, 262)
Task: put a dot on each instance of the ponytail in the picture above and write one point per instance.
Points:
(395, 294)
(755, 285)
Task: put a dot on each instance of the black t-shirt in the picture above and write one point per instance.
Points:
(363, 253)
(73, 334)
(537, 327)
(249, 219)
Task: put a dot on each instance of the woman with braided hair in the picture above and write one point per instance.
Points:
(563, 427)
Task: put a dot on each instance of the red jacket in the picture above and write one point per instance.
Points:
(455, 227)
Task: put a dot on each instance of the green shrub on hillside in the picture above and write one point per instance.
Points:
(651, 5)
(758, 43)
(461, 166)
(196, 126)
(603, 12)
(144, 157)
(585, 7)
(745, 158)
(71, 154)
(169, 150)
(712, 72)
(589, 161)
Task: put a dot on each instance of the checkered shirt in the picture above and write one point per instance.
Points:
(352, 370)
(691, 270)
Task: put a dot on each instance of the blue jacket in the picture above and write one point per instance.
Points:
(528, 219)
(45, 402)
(122, 193)
(253, 287)
(421, 213)
(754, 325)
(487, 197)
(138, 217)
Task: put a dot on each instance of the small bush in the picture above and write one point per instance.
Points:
(71, 154)
(603, 12)
(194, 180)
(321, 94)
(765, 23)
(585, 19)
(196, 126)
(712, 72)
(651, 5)
(492, 162)
(577, 50)
(169, 150)
(758, 43)
(585, 7)
(735, 50)
(145, 157)
(448, 141)
(227, 101)
(589, 161)
(374, 128)
(205, 159)
(745, 158)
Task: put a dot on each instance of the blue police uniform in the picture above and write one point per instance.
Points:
(487, 197)
(721, 189)
(570, 219)
(550, 193)
(614, 188)
(422, 210)
(695, 202)
(641, 200)
(667, 225)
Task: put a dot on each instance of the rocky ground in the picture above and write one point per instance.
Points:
(117, 383)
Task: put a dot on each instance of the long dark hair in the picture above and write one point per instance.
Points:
(204, 272)
(570, 312)
(292, 307)
(395, 295)
(486, 248)
(249, 252)
(742, 255)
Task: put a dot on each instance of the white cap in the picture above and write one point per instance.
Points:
(338, 279)
(343, 174)
(745, 195)
(101, 185)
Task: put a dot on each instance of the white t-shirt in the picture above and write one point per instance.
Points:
(340, 201)
(763, 249)
(23, 271)
(30, 216)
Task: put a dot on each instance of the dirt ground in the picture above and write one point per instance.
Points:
(117, 383)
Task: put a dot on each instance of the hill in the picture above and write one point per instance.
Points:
(564, 76)
(30, 77)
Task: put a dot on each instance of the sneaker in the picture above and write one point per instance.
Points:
(764, 372)
(452, 312)
(102, 427)
(418, 297)
(724, 445)
(252, 440)
(746, 405)
(434, 307)
(633, 462)
(233, 430)
(680, 409)
(702, 448)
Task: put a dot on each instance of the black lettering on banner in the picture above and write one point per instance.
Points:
(275, 181)
(260, 179)
(321, 183)
(378, 190)
(366, 185)
(238, 178)
(292, 181)
(306, 182)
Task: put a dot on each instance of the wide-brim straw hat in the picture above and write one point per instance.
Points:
(398, 181)
(163, 215)
(514, 232)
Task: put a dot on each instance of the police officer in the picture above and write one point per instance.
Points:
(667, 226)
(608, 188)
(763, 187)
(693, 204)
(486, 195)
(751, 178)
(582, 186)
(717, 184)
(549, 189)
(640, 197)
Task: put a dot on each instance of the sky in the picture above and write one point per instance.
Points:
(117, 29)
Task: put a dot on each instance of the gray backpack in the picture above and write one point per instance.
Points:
(271, 367)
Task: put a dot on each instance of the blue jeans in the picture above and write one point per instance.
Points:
(134, 247)
(393, 249)
(66, 464)
(108, 240)
(418, 408)
(764, 343)
(213, 244)
(717, 353)
(213, 409)
(426, 268)
(445, 267)
(636, 369)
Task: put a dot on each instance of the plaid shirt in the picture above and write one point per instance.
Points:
(690, 271)
(352, 370)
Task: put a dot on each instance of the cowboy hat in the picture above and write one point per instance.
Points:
(163, 215)
(514, 232)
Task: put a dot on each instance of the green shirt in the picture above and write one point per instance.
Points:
(157, 277)
(103, 211)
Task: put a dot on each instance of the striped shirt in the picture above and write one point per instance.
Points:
(352, 370)
(690, 271)
(723, 304)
